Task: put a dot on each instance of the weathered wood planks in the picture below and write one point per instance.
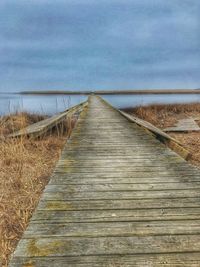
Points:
(39, 128)
(184, 125)
(162, 136)
(139, 260)
(118, 197)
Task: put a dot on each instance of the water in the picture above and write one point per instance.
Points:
(45, 104)
(143, 100)
(51, 104)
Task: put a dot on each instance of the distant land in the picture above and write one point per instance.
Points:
(112, 92)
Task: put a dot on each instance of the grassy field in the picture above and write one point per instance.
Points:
(25, 168)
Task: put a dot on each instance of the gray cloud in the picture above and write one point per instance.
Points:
(100, 44)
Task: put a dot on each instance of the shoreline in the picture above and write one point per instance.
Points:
(127, 109)
(114, 92)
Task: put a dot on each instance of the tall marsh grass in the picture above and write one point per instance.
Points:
(165, 115)
(25, 167)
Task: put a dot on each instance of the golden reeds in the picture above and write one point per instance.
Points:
(165, 115)
(25, 167)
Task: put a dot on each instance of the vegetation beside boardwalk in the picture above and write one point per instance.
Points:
(25, 167)
(26, 164)
(164, 116)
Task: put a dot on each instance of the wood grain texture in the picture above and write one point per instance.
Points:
(40, 128)
(141, 260)
(118, 197)
(184, 125)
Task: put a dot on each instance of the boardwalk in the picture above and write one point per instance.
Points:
(118, 197)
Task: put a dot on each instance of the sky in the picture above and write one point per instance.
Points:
(99, 44)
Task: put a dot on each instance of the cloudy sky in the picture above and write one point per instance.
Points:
(104, 44)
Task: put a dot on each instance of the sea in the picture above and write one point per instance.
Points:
(52, 104)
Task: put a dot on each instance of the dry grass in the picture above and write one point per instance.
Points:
(25, 167)
(164, 116)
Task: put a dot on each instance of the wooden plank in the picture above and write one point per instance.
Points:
(67, 214)
(162, 176)
(141, 260)
(133, 169)
(132, 187)
(68, 195)
(72, 246)
(147, 172)
(106, 229)
(116, 204)
(75, 180)
(131, 162)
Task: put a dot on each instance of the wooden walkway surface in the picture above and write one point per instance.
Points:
(118, 197)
